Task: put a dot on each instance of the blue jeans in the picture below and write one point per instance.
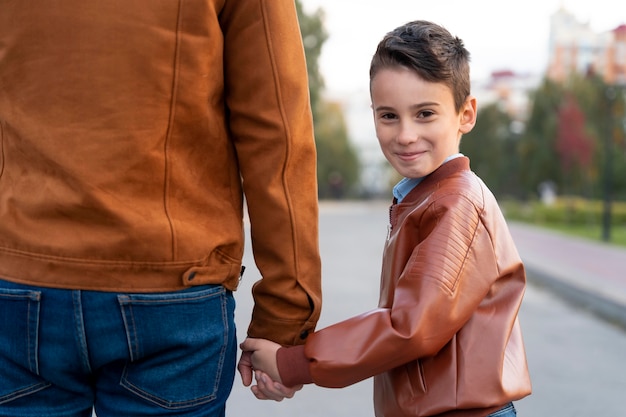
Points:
(506, 411)
(68, 352)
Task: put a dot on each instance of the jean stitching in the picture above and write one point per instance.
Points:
(36, 347)
(131, 339)
(24, 392)
(170, 299)
(128, 301)
(81, 337)
(220, 365)
(32, 299)
(32, 361)
(172, 405)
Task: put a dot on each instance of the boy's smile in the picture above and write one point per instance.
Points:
(416, 121)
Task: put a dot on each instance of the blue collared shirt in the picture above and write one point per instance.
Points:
(405, 185)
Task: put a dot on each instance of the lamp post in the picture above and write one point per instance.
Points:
(607, 182)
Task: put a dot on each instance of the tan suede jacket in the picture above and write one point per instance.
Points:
(445, 339)
(128, 131)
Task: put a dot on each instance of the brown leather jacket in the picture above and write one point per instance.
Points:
(128, 131)
(445, 339)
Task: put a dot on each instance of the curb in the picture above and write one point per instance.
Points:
(609, 310)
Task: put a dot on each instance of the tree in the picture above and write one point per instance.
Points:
(603, 106)
(575, 137)
(338, 165)
(574, 145)
(537, 146)
(491, 148)
(313, 37)
(337, 161)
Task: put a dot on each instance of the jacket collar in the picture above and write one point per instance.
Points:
(445, 170)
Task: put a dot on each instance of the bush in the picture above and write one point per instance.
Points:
(571, 215)
(573, 211)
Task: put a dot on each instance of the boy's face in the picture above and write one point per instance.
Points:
(416, 121)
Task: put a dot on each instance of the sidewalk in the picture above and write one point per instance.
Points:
(589, 274)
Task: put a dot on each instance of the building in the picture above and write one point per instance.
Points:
(509, 89)
(573, 47)
(615, 72)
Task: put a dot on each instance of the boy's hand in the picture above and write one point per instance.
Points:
(262, 356)
(266, 389)
(259, 355)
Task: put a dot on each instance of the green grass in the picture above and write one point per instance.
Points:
(571, 215)
(593, 232)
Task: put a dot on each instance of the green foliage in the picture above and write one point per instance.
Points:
(568, 210)
(600, 124)
(537, 146)
(313, 37)
(338, 166)
(491, 149)
(600, 104)
(337, 161)
(571, 214)
(574, 138)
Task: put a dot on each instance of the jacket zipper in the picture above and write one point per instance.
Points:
(389, 227)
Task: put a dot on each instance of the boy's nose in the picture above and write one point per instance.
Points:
(407, 135)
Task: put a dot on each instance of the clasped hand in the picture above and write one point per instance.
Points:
(259, 357)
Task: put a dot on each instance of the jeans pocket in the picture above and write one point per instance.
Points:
(182, 345)
(19, 333)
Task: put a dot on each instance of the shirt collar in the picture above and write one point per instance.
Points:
(405, 185)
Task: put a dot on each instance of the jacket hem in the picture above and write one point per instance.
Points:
(114, 276)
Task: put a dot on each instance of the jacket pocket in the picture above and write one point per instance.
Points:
(182, 345)
(411, 376)
(19, 324)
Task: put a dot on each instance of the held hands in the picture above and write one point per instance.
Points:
(263, 356)
(259, 356)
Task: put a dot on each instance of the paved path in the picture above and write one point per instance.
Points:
(587, 273)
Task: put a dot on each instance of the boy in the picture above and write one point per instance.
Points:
(445, 339)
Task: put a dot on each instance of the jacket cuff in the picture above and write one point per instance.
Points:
(293, 366)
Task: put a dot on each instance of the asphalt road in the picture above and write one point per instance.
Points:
(577, 361)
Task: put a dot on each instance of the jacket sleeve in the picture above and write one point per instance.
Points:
(448, 274)
(271, 124)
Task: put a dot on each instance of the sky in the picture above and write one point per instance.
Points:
(500, 34)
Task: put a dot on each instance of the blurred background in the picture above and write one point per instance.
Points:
(550, 78)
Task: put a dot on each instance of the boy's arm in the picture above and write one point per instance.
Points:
(438, 289)
(293, 366)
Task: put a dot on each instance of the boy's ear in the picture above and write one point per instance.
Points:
(468, 115)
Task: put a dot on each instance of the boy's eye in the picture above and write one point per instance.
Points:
(388, 116)
(425, 113)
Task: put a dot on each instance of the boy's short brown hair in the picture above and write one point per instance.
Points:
(429, 50)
